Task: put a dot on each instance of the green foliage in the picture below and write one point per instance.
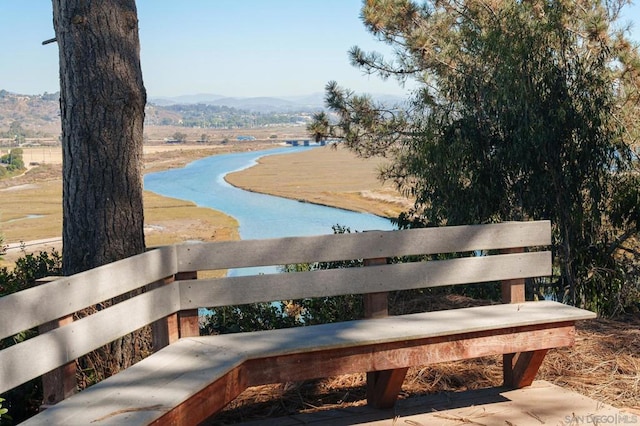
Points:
(238, 319)
(4, 414)
(13, 160)
(16, 132)
(28, 269)
(524, 110)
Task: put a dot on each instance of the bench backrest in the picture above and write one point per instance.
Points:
(64, 296)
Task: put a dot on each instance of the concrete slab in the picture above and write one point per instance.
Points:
(540, 404)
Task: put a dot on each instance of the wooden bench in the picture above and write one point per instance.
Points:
(192, 377)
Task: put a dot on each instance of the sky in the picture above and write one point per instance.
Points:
(237, 48)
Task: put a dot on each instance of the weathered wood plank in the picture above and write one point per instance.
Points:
(399, 354)
(211, 399)
(67, 343)
(512, 290)
(61, 382)
(67, 295)
(376, 305)
(188, 320)
(147, 390)
(372, 279)
(364, 245)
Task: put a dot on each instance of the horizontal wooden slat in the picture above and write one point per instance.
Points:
(25, 361)
(182, 371)
(401, 353)
(374, 244)
(371, 279)
(32, 307)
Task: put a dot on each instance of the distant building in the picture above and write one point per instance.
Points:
(246, 138)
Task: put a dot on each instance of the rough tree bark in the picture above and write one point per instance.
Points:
(102, 100)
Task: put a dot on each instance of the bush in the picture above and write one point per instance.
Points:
(13, 161)
(28, 269)
(4, 416)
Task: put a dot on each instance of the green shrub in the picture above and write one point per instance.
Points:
(4, 414)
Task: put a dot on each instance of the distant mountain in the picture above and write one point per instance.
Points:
(254, 104)
(31, 111)
(35, 111)
(200, 98)
(287, 104)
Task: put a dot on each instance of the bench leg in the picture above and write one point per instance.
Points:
(384, 386)
(520, 369)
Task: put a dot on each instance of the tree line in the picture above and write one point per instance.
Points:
(223, 117)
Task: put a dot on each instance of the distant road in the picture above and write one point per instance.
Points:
(16, 247)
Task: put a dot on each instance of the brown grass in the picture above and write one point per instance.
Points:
(334, 177)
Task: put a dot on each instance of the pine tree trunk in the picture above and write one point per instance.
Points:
(102, 100)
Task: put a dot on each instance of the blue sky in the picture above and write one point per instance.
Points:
(238, 48)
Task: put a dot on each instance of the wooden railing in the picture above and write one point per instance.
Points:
(173, 293)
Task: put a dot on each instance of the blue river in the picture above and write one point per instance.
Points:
(259, 216)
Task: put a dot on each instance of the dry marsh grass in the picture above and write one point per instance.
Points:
(327, 176)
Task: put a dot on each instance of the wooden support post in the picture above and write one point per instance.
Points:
(60, 383)
(382, 386)
(165, 331)
(519, 369)
(513, 290)
(522, 368)
(188, 320)
(376, 305)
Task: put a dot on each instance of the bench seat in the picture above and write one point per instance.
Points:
(189, 380)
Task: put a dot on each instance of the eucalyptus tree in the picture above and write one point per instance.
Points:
(523, 110)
